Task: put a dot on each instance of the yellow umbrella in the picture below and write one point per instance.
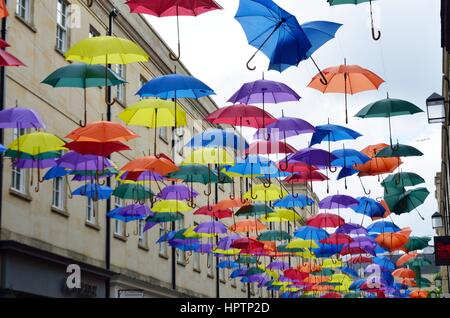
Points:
(106, 50)
(36, 143)
(331, 263)
(261, 193)
(206, 156)
(190, 233)
(300, 243)
(232, 251)
(344, 281)
(306, 254)
(170, 206)
(281, 215)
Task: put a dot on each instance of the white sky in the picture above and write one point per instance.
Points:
(408, 57)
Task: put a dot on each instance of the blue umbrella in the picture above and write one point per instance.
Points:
(2, 148)
(348, 157)
(254, 165)
(349, 271)
(331, 132)
(346, 172)
(311, 233)
(382, 227)
(56, 172)
(213, 138)
(319, 33)
(369, 207)
(293, 201)
(228, 264)
(238, 272)
(273, 31)
(167, 237)
(356, 284)
(94, 191)
(327, 250)
(130, 213)
(384, 262)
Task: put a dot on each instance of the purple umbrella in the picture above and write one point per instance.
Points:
(34, 164)
(338, 201)
(278, 265)
(351, 228)
(88, 178)
(285, 127)
(212, 227)
(313, 157)
(225, 242)
(177, 192)
(75, 161)
(130, 212)
(204, 248)
(257, 278)
(19, 117)
(264, 91)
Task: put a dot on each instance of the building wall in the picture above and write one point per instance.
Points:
(29, 218)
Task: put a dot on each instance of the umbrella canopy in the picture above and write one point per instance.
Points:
(392, 241)
(313, 156)
(170, 206)
(261, 193)
(139, 176)
(406, 201)
(36, 143)
(7, 59)
(264, 91)
(269, 147)
(352, 228)
(75, 161)
(274, 235)
(402, 179)
(19, 117)
(93, 191)
(311, 233)
(134, 192)
(283, 128)
(292, 201)
(103, 149)
(106, 50)
(404, 273)
(214, 212)
(338, 201)
(348, 157)
(195, 173)
(130, 213)
(416, 243)
(247, 226)
(212, 227)
(398, 151)
(218, 138)
(241, 115)
(161, 164)
(369, 207)
(325, 220)
(102, 131)
(212, 155)
(254, 209)
(331, 132)
(337, 238)
(177, 192)
(300, 177)
(405, 258)
(273, 31)
(376, 166)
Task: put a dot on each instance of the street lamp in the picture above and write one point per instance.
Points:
(436, 108)
(436, 220)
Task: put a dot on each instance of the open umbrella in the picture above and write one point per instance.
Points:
(241, 115)
(171, 8)
(102, 131)
(324, 220)
(94, 191)
(7, 59)
(19, 117)
(103, 149)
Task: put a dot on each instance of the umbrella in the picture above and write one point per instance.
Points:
(325, 220)
(170, 206)
(331, 132)
(173, 8)
(384, 262)
(406, 201)
(419, 294)
(241, 115)
(417, 262)
(212, 227)
(337, 238)
(292, 201)
(7, 59)
(19, 118)
(398, 151)
(375, 36)
(194, 173)
(94, 191)
(177, 192)
(80, 75)
(313, 156)
(102, 131)
(56, 172)
(37, 143)
(281, 215)
(391, 241)
(106, 50)
(278, 265)
(274, 235)
(162, 165)
(382, 227)
(214, 212)
(416, 243)
(103, 149)
(130, 213)
(133, 192)
(262, 193)
(388, 107)
(402, 179)
(404, 273)
(285, 127)
(264, 147)
(347, 79)
(351, 228)
(213, 138)
(75, 161)
(369, 207)
(405, 258)
(301, 243)
(338, 201)
(254, 209)
(247, 226)
(273, 31)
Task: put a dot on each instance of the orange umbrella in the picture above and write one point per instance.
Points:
(386, 213)
(316, 279)
(231, 203)
(404, 273)
(322, 287)
(102, 131)
(161, 164)
(406, 257)
(408, 282)
(376, 166)
(419, 294)
(392, 241)
(347, 79)
(247, 226)
(309, 267)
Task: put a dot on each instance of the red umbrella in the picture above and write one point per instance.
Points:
(168, 8)
(337, 238)
(96, 148)
(352, 250)
(332, 295)
(7, 59)
(325, 220)
(241, 115)
(217, 213)
(269, 147)
(4, 44)
(360, 260)
(295, 274)
(246, 243)
(306, 176)
(295, 166)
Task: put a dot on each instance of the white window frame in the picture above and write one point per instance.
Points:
(59, 193)
(162, 251)
(163, 134)
(210, 265)
(142, 239)
(23, 10)
(222, 275)
(91, 211)
(120, 70)
(181, 255)
(119, 226)
(19, 177)
(62, 27)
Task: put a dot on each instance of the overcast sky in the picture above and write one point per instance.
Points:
(408, 57)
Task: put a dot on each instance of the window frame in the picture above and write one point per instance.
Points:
(92, 222)
(211, 268)
(24, 173)
(163, 248)
(65, 29)
(120, 90)
(142, 236)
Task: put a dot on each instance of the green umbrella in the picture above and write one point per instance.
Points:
(83, 76)
(377, 36)
(398, 151)
(284, 249)
(352, 295)
(417, 262)
(388, 107)
(247, 260)
(330, 283)
(254, 210)
(194, 173)
(23, 155)
(402, 179)
(107, 171)
(135, 192)
(406, 201)
(422, 282)
(253, 271)
(274, 235)
(162, 217)
(324, 272)
(416, 243)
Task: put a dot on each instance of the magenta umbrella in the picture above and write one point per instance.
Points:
(19, 117)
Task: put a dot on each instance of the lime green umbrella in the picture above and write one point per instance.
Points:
(398, 151)
(416, 243)
(274, 235)
(388, 107)
(402, 179)
(83, 76)
(132, 191)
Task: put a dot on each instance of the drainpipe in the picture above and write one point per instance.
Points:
(173, 225)
(112, 15)
(2, 106)
(216, 200)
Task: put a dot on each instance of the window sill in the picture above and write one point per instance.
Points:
(59, 211)
(164, 256)
(210, 276)
(164, 140)
(181, 263)
(223, 281)
(92, 225)
(28, 24)
(60, 52)
(143, 247)
(120, 237)
(20, 195)
(197, 270)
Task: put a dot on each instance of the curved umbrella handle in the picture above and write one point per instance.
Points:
(268, 184)
(174, 57)
(232, 196)
(254, 197)
(364, 189)
(377, 36)
(286, 166)
(37, 188)
(332, 170)
(136, 232)
(322, 79)
(248, 64)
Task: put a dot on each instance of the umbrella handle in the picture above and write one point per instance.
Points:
(136, 232)
(248, 64)
(232, 196)
(172, 56)
(188, 256)
(376, 36)
(102, 183)
(286, 166)
(89, 3)
(332, 170)
(209, 190)
(254, 197)
(36, 188)
(322, 79)
(395, 148)
(268, 184)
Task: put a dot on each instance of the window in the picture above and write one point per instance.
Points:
(58, 197)
(234, 282)
(93, 32)
(91, 211)
(119, 69)
(197, 258)
(142, 82)
(142, 234)
(210, 263)
(23, 10)
(62, 30)
(163, 134)
(119, 228)
(222, 275)
(243, 287)
(18, 177)
(162, 245)
(181, 255)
